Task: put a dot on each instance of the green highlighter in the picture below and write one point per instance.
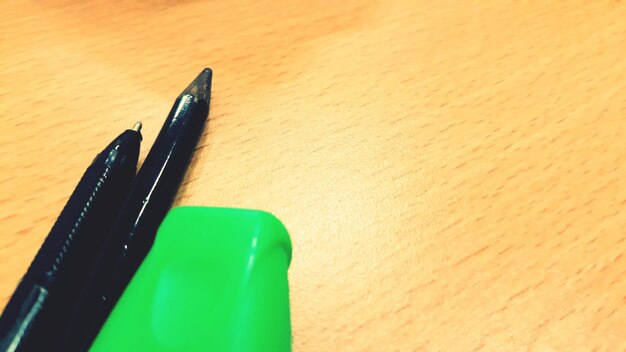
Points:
(214, 280)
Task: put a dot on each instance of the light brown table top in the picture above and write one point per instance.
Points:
(451, 173)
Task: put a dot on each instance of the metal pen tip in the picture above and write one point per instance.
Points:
(137, 126)
(201, 86)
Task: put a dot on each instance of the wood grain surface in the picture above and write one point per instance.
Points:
(451, 173)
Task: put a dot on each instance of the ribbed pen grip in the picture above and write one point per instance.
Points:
(77, 216)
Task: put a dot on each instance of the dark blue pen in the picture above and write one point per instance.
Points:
(36, 313)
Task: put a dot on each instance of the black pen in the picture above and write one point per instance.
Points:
(150, 198)
(35, 313)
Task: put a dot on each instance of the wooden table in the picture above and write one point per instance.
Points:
(452, 173)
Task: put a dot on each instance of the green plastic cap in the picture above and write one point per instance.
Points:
(214, 280)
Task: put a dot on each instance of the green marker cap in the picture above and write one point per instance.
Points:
(214, 280)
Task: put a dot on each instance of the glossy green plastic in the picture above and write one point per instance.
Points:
(214, 280)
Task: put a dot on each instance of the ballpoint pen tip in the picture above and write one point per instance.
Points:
(137, 126)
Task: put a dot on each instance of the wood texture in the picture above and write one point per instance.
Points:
(451, 172)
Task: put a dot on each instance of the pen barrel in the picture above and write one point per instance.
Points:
(165, 168)
(167, 161)
(36, 311)
(30, 297)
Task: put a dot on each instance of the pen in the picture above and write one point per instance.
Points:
(151, 196)
(55, 277)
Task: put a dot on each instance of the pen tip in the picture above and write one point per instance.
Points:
(137, 126)
(201, 86)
